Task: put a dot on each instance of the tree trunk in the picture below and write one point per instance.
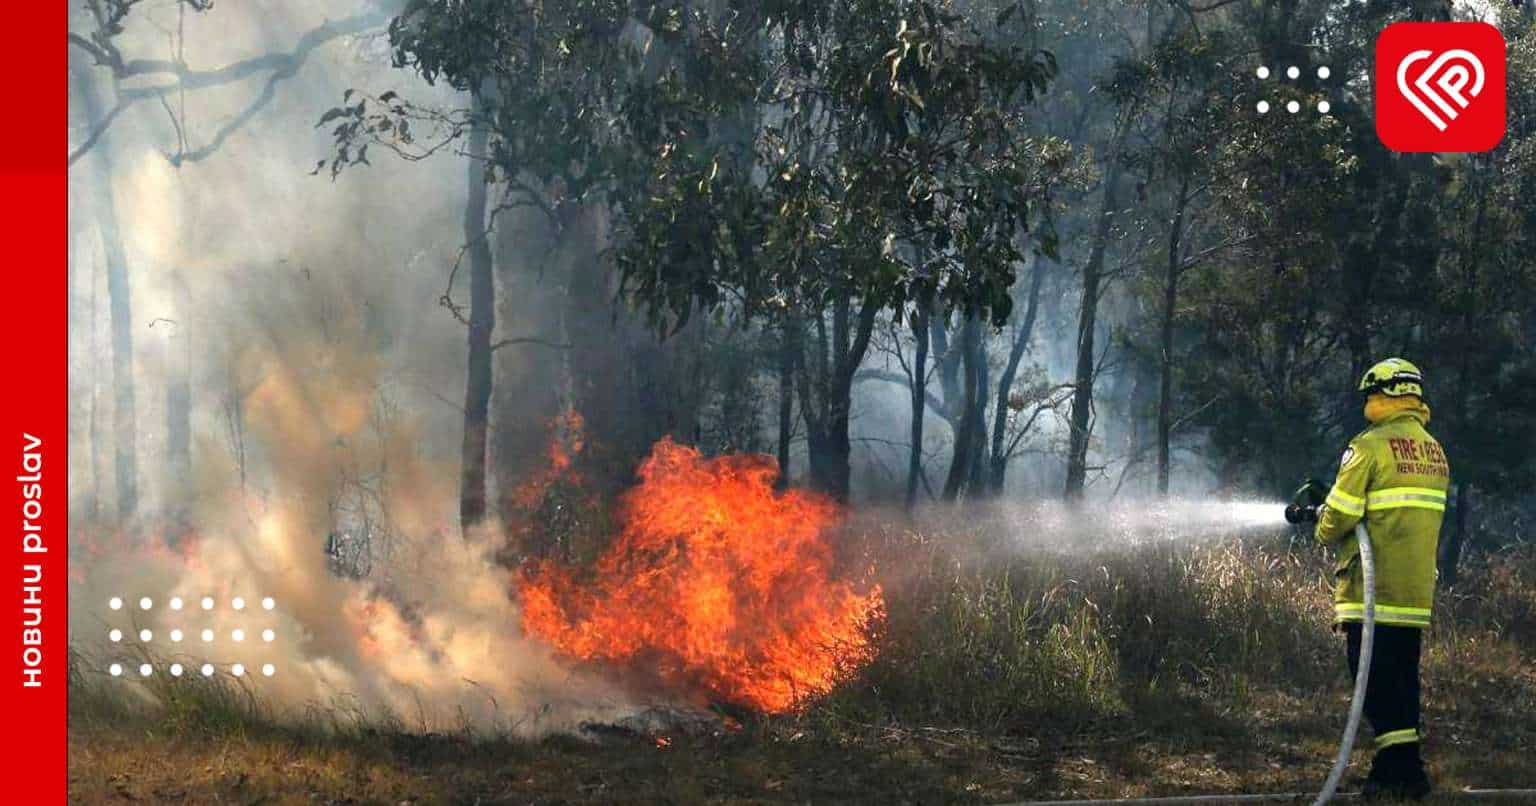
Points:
(788, 344)
(178, 428)
(1080, 422)
(482, 322)
(124, 419)
(920, 336)
(1021, 340)
(178, 399)
(1450, 552)
(976, 476)
(120, 312)
(1165, 381)
(178, 413)
(827, 438)
(961, 464)
(93, 505)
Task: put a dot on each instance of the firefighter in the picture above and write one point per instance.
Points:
(1394, 475)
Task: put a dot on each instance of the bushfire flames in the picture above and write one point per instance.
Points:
(716, 584)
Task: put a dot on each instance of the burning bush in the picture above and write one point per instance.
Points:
(716, 583)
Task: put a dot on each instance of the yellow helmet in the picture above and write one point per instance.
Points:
(1393, 377)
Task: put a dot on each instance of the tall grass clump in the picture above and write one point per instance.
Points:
(995, 638)
(994, 648)
(187, 705)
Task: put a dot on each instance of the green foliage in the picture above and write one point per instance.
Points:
(889, 132)
(808, 165)
(1341, 252)
(755, 153)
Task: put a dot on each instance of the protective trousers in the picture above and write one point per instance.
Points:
(1392, 699)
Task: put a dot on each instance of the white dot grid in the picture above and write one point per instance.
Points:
(177, 670)
(177, 603)
(1293, 72)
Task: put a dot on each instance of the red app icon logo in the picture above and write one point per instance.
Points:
(1440, 86)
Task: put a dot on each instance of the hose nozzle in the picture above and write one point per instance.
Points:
(1297, 513)
(1305, 502)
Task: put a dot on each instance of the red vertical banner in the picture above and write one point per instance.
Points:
(34, 427)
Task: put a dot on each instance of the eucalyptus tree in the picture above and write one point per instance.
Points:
(778, 159)
(542, 87)
(1183, 92)
(888, 165)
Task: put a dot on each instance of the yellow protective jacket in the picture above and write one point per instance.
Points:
(1394, 474)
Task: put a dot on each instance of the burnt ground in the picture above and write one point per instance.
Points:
(1481, 736)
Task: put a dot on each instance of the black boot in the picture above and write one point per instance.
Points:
(1397, 773)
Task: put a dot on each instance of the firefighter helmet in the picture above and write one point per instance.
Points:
(1393, 377)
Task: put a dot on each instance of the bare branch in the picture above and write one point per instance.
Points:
(890, 377)
(103, 57)
(267, 94)
(189, 79)
(1190, 416)
(529, 340)
(281, 65)
(1193, 260)
(98, 130)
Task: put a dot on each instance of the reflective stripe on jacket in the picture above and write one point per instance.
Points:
(1394, 475)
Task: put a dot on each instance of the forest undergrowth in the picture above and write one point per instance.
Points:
(1004, 675)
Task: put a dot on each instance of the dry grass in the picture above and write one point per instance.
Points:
(1158, 670)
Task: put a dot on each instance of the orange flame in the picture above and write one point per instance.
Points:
(716, 583)
(566, 441)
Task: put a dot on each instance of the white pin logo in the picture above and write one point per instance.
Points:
(1442, 85)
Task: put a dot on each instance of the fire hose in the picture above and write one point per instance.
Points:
(1363, 672)
(1303, 509)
